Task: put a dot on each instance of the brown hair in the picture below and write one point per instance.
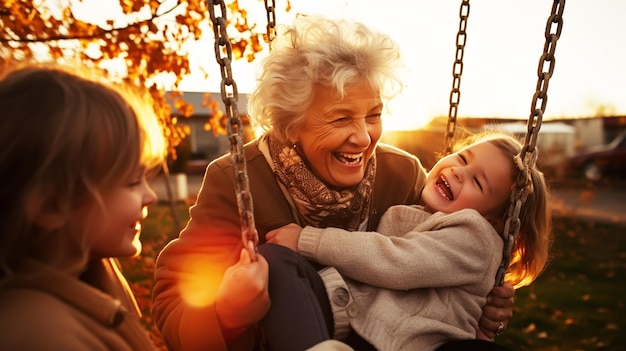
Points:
(65, 138)
(532, 244)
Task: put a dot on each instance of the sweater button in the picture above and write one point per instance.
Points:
(352, 310)
(341, 297)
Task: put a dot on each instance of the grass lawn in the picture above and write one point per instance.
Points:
(579, 301)
(577, 304)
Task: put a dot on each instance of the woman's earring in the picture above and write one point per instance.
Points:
(296, 147)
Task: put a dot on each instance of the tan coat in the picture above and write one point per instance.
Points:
(191, 267)
(42, 308)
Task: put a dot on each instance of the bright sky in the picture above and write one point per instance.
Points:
(505, 40)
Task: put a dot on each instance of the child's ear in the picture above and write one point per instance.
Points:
(46, 214)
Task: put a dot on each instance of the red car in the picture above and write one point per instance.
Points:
(596, 162)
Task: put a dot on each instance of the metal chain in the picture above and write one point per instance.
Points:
(528, 155)
(234, 126)
(457, 71)
(271, 21)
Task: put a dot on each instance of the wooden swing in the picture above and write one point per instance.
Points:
(528, 154)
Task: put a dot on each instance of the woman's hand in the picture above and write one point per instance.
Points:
(497, 312)
(287, 236)
(242, 298)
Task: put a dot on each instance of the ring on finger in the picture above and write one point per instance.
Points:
(500, 329)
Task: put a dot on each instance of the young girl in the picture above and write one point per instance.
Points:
(74, 153)
(377, 287)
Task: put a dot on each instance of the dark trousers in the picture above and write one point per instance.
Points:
(300, 315)
(472, 345)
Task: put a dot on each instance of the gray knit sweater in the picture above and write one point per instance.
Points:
(420, 281)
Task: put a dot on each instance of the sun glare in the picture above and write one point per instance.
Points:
(405, 117)
(199, 292)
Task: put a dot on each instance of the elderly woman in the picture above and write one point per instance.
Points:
(319, 98)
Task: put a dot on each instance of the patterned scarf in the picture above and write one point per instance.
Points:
(316, 203)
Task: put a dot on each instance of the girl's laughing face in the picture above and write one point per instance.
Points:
(479, 177)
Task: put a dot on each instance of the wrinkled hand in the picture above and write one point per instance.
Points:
(499, 308)
(242, 298)
(287, 235)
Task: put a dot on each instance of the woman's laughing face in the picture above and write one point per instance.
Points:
(340, 135)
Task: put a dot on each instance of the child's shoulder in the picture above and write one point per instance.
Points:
(22, 300)
(466, 216)
(406, 212)
(33, 319)
(400, 219)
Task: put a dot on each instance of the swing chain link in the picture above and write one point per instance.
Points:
(529, 154)
(234, 127)
(271, 21)
(457, 71)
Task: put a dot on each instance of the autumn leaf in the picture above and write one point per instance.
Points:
(144, 37)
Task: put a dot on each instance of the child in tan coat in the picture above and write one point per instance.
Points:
(74, 154)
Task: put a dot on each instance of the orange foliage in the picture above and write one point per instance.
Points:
(148, 45)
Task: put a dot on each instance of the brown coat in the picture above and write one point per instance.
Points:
(211, 242)
(43, 308)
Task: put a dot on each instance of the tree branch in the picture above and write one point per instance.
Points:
(98, 34)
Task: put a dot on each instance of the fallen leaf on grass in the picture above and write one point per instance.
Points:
(530, 328)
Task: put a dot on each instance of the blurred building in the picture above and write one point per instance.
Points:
(558, 140)
(202, 145)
